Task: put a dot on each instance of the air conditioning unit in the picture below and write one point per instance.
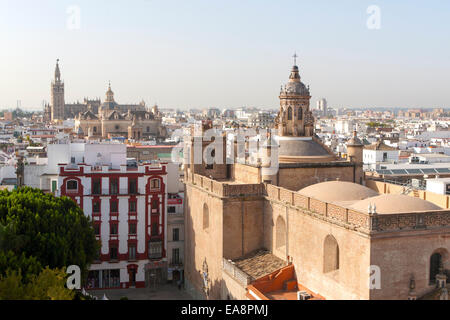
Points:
(303, 295)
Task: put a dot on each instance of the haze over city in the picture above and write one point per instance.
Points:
(198, 54)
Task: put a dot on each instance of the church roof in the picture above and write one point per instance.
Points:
(354, 141)
(380, 146)
(88, 115)
(295, 86)
(141, 115)
(259, 263)
(395, 203)
(115, 115)
(109, 105)
(332, 191)
(300, 148)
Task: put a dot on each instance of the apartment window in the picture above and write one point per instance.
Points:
(114, 186)
(114, 206)
(155, 206)
(98, 254)
(132, 228)
(96, 186)
(96, 207)
(171, 209)
(114, 229)
(113, 252)
(176, 234)
(155, 229)
(72, 185)
(175, 256)
(132, 252)
(97, 229)
(155, 249)
(154, 184)
(132, 186)
(132, 206)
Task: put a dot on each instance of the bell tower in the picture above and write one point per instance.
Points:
(57, 95)
(295, 119)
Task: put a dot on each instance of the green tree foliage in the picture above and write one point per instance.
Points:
(39, 230)
(48, 285)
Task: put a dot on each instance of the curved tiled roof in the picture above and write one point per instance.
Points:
(395, 203)
(332, 191)
(300, 148)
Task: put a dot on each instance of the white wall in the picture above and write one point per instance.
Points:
(173, 178)
(375, 156)
(32, 175)
(114, 154)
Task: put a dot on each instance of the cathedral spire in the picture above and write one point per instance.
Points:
(57, 72)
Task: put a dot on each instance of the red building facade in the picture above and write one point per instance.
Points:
(128, 207)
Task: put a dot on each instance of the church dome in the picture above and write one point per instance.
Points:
(295, 86)
(109, 94)
(332, 191)
(395, 203)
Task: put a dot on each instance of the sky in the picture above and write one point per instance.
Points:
(233, 53)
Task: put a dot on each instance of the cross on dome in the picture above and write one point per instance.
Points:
(295, 56)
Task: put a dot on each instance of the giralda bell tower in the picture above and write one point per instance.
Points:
(57, 95)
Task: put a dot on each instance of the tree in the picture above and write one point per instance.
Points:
(38, 229)
(48, 285)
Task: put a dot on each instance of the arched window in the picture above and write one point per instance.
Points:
(300, 114)
(435, 261)
(289, 113)
(330, 254)
(72, 185)
(205, 217)
(280, 237)
(155, 184)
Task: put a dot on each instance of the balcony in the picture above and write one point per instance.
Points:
(176, 263)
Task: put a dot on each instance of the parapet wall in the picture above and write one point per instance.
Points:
(355, 220)
(360, 221)
(224, 189)
(440, 200)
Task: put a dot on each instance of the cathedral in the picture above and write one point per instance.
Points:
(313, 229)
(95, 119)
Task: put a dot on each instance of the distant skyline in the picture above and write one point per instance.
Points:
(206, 53)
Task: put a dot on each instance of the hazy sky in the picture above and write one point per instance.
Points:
(207, 53)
